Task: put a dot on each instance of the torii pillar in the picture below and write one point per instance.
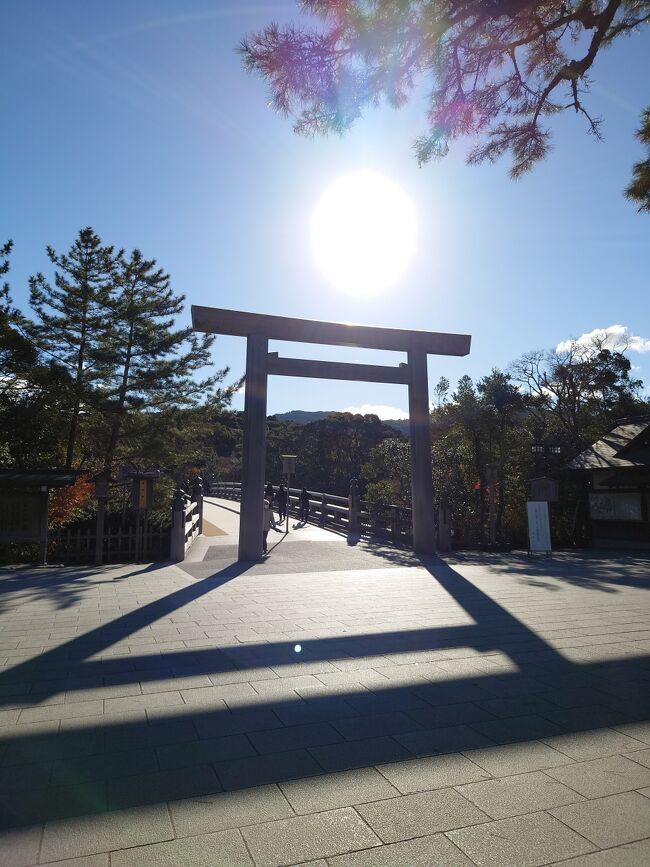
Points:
(259, 328)
(254, 448)
(421, 469)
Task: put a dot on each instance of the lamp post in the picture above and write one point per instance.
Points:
(101, 492)
(542, 452)
(544, 490)
(288, 469)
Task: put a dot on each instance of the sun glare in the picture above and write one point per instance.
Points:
(364, 233)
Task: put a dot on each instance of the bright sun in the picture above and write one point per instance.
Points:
(364, 233)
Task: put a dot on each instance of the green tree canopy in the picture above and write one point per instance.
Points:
(579, 391)
(17, 353)
(387, 473)
(72, 325)
(330, 451)
(639, 189)
(30, 390)
(152, 362)
(113, 374)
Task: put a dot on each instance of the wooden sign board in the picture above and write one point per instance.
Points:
(289, 465)
(615, 506)
(142, 494)
(22, 516)
(544, 489)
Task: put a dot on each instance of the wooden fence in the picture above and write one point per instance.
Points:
(137, 541)
(329, 510)
(128, 544)
(142, 542)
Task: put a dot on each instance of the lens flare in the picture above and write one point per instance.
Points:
(364, 233)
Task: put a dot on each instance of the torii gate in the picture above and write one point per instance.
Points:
(259, 328)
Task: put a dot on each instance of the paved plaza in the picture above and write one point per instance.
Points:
(337, 704)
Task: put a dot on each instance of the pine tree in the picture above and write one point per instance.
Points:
(17, 354)
(153, 361)
(72, 327)
(30, 390)
(493, 71)
(442, 390)
(639, 189)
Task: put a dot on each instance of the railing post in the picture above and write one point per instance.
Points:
(197, 496)
(323, 505)
(395, 524)
(177, 541)
(353, 507)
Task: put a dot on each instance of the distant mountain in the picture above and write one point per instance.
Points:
(301, 416)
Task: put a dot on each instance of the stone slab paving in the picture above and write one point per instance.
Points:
(342, 705)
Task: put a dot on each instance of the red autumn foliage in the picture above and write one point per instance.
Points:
(68, 504)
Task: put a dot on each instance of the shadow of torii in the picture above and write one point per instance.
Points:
(495, 629)
(227, 756)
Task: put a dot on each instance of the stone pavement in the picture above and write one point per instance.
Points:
(336, 705)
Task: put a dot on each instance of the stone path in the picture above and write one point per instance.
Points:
(335, 705)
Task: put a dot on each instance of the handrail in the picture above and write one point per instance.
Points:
(190, 508)
(187, 524)
(331, 510)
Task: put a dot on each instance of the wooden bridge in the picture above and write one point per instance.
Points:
(327, 538)
(340, 514)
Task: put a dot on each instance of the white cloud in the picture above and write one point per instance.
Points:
(380, 409)
(615, 337)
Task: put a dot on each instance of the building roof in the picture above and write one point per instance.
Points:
(41, 478)
(626, 446)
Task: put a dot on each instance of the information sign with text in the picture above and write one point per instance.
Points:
(539, 527)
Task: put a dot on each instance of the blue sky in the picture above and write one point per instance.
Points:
(139, 120)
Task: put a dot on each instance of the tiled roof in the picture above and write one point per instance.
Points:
(613, 450)
(51, 478)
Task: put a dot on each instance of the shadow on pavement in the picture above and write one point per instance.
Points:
(64, 586)
(186, 750)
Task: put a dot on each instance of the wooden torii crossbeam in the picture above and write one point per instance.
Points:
(259, 328)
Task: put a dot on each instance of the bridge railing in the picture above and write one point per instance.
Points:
(187, 524)
(332, 511)
(387, 520)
